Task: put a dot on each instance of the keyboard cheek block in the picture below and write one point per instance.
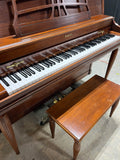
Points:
(3, 92)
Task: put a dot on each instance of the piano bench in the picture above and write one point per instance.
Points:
(79, 111)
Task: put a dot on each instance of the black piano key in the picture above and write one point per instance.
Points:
(56, 59)
(62, 56)
(53, 63)
(68, 54)
(49, 62)
(73, 52)
(5, 82)
(36, 68)
(86, 46)
(101, 39)
(45, 64)
(12, 79)
(91, 43)
(110, 35)
(31, 71)
(80, 48)
(107, 37)
(23, 74)
(16, 76)
(97, 41)
(27, 72)
(40, 67)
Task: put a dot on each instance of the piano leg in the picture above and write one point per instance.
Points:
(7, 130)
(114, 106)
(111, 61)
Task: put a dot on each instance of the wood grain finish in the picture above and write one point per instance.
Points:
(30, 44)
(111, 62)
(6, 128)
(79, 111)
(20, 63)
(58, 13)
(92, 93)
(76, 149)
(3, 92)
(52, 126)
(6, 29)
(14, 51)
(115, 27)
(114, 106)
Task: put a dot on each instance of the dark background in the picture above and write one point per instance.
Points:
(112, 8)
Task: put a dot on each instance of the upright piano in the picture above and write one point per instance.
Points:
(45, 46)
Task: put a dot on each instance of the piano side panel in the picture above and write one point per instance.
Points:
(28, 104)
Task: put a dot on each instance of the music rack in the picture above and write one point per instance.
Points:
(29, 19)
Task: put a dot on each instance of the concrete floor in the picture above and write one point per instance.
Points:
(35, 142)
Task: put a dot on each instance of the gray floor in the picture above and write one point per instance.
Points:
(35, 143)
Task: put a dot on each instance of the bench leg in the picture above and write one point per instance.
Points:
(7, 130)
(52, 126)
(76, 149)
(114, 107)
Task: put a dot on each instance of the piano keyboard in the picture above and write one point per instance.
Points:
(25, 77)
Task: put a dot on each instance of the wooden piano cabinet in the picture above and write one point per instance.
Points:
(89, 23)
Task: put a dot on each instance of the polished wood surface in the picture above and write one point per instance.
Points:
(36, 42)
(52, 14)
(111, 61)
(79, 111)
(7, 130)
(17, 52)
(3, 92)
(6, 12)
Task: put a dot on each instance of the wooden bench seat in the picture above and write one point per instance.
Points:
(79, 111)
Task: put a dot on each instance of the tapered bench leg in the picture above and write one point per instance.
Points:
(114, 107)
(7, 130)
(52, 126)
(76, 149)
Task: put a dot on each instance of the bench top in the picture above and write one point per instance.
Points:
(79, 111)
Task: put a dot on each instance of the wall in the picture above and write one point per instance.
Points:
(112, 8)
